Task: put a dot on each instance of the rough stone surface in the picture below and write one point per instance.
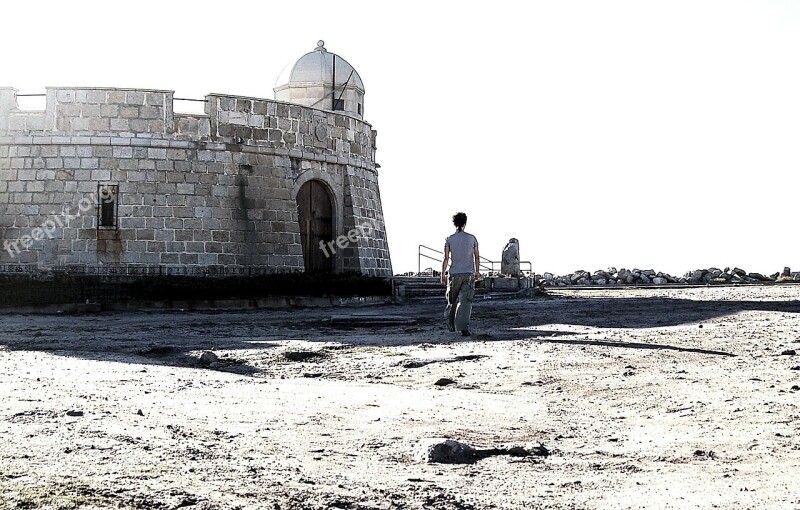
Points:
(213, 190)
(710, 276)
(447, 451)
(207, 358)
(509, 264)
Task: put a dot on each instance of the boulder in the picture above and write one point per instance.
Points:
(447, 451)
(207, 358)
(509, 263)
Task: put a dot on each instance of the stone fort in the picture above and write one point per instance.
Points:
(115, 178)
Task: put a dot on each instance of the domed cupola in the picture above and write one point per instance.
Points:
(324, 80)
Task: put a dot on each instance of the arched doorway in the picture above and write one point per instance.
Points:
(315, 212)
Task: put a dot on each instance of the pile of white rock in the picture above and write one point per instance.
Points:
(710, 276)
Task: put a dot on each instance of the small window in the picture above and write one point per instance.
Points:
(338, 104)
(107, 206)
(359, 108)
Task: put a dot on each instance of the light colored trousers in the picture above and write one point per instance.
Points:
(460, 293)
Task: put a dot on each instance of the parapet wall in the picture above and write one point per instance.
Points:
(137, 113)
(196, 190)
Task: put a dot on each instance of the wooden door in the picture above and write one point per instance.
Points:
(315, 209)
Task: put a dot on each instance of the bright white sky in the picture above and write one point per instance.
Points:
(649, 134)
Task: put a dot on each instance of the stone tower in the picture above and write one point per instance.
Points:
(112, 179)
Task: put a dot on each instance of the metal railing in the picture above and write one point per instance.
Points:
(485, 265)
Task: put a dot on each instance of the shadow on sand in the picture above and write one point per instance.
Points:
(175, 338)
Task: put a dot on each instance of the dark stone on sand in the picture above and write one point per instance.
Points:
(207, 358)
(302, 355)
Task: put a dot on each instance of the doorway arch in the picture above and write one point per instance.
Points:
(315, 214)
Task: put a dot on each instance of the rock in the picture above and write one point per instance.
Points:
(537, 449)
(447, 451)
(509, 263)
(789, 352)
(302, 355)
(712, 275)
(786, 272)
(74, 413)
(207, 358)
(444, 381)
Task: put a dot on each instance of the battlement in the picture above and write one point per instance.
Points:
(149, 113)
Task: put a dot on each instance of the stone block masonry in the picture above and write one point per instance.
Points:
(218, 189)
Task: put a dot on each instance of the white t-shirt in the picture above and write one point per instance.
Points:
(462, 252)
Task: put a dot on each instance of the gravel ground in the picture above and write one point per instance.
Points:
(644, 398)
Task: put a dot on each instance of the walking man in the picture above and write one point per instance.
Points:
(463, 249)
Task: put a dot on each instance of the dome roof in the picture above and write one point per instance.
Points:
(317, 67)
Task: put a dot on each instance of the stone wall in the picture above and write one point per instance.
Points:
(195, 190)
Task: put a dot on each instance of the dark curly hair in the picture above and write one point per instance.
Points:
(459, 220)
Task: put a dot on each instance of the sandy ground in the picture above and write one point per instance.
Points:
(645, 398)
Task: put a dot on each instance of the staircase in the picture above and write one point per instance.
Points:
(417, 288)
(427, 288)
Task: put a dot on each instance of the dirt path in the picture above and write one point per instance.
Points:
(652, 398)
